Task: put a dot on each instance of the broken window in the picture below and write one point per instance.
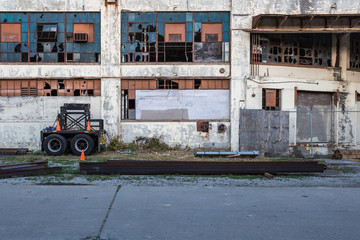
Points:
(46, 32)
(355, 51)
(271, 99)
(61, 87)
(292, 49)
(209, 47)
(170, 37)
(11, 46)
(129, 87)
(50, 37)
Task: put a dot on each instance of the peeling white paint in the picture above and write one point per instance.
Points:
(177, 134)
(21, 118)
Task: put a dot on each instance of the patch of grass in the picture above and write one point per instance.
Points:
(345, 170)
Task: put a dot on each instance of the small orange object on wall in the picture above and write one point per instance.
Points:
(270, 98)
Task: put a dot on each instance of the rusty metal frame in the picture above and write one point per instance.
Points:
(331, 20)
(305, 20)
(282, 21)
(357, 21)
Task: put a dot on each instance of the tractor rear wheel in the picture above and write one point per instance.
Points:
(82, 142)
(55, 145)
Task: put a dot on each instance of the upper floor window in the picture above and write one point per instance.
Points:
(50, 37)
(355, 51)
(175, 37)
(292, 49)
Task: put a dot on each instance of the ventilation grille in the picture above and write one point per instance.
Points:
(81, 37)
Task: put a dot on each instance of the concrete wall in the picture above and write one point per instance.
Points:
(22, 118)
(178, 134)
(244, 93)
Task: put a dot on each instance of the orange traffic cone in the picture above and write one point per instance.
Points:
(58, 126)
(82, 157)
(88, 128)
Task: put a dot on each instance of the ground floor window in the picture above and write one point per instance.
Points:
(50, 87)
(173, 99)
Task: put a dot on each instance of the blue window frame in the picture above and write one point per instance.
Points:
(143, 37)
(50, 37)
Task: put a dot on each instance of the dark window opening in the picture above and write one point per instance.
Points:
(131, 103)
(61, 84)
(24, 57)
(197, 83)
(355, 51)
(77, 92)
(47, 32)
(53, 92)
(47, 85)
(294, 49)
(175, 52)
(70, 57)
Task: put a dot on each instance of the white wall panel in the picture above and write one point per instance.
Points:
(191, 104)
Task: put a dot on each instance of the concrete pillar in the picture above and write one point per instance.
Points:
(344, 54)
(110, 67)
(240, 65)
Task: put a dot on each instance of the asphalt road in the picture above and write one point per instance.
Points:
(175, 212)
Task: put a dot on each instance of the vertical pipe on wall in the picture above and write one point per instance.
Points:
(311, 134)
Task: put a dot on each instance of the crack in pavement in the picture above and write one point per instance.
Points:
(108, 212)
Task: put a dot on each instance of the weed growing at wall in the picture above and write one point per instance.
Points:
(153, 143)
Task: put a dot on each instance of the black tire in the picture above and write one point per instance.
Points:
(55, 145)
(82, 142)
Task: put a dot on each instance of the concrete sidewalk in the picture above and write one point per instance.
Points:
(173, 212)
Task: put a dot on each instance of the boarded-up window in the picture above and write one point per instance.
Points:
(129, 88)
(271, 99)
(10, 32)
(83, 32)
(211, 32)
(174, 32)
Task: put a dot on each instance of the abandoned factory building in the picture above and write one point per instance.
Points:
(275, 76)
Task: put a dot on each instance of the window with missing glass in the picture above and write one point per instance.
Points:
(50, 87)
(50, 37)
(355, 51)
(175, 36)
(292, 49)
